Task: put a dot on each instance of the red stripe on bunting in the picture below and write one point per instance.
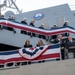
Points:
(20, 59)
(11, 60)
(49, 56)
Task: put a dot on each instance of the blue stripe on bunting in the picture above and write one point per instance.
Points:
(31, 53)
(27, 52)
(54, 46)
(9, 52)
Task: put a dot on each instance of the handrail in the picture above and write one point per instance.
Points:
(37, 30)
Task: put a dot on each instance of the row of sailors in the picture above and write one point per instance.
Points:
(32, 24)
(70, 44)
(42, 27)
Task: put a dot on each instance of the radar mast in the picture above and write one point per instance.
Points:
(9, 4)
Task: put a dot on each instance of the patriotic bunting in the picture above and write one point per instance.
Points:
(27, 54)
(37, 30)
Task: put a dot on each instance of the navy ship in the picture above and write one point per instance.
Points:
(12, 39)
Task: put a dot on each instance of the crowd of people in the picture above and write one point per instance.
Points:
(42, 26)
(32, 23)
(28, 44)
(69, 44)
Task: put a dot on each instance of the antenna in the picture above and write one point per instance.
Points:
(13, 5)
(10, 4)
(1, 6)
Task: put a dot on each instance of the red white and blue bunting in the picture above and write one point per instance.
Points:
(31, 54)
(35, 29)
